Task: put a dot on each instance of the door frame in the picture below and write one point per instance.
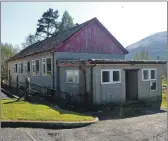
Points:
(126, 70)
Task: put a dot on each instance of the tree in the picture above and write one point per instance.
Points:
(7, 51)
(29, 40)
(142, 55)
(48, 24)
(66, 22)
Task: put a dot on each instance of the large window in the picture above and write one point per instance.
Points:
(72, 76)
(46, 66)
(15, 68)
(20, 67)
(148, 74)
(111, 76)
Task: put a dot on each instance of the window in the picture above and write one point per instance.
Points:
(33, 67)
(48, 66)
(72, 76)
(116, 76)
(43, 66)
(15, 68)
(21, 67)
(110, 76)
(105, 76)
(28, 67)
(37, 67)
(152, 85)
(153, 75)
(25, 67)
(145, 75)
(148, 74)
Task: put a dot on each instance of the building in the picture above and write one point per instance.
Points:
(42, 63)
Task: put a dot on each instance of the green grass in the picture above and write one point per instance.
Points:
(12, 110)
(164, 100)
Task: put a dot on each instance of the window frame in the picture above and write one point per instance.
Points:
(25, 65)
(30, 67)
(14, 67)
(33, 72)
(43, 74)
(46, 67)
(73, 72)
(102, 76)
(150, 85)
(37, 74)
(149, 74)
(111, 76)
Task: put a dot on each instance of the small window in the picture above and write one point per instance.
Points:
(153, 74)
(28, 67)
(48, 66)
(15, 68)
(116, 76)
(72, 76)
(145, 74)
(37, 67)
(152, 85)
(105, 76)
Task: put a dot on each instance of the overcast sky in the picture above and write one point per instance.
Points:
(127, 21)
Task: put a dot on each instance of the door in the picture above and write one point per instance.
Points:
(131, 85)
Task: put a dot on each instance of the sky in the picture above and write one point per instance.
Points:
(129, 22)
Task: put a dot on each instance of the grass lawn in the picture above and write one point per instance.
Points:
(12, 110)
(164, 94)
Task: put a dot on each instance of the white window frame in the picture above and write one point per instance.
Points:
(111, 76)
(46, 66)
(39, 68)
(25, 65)
(73, 72)
(143, 75)
(102, 76)
(33, 63)
(115, 82)
(30, 67)
(150, 85)
(149, 74)
(15, 68)
(43, 62)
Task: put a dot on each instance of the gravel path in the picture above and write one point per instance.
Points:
(143, 128)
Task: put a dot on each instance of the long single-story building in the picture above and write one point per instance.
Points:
(62, 62)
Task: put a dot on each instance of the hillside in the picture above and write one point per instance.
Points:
(155, 44)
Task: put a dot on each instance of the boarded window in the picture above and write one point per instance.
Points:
(145, 74)
(116, 76)
(152, 85)
(105, 76)
(153, 74)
